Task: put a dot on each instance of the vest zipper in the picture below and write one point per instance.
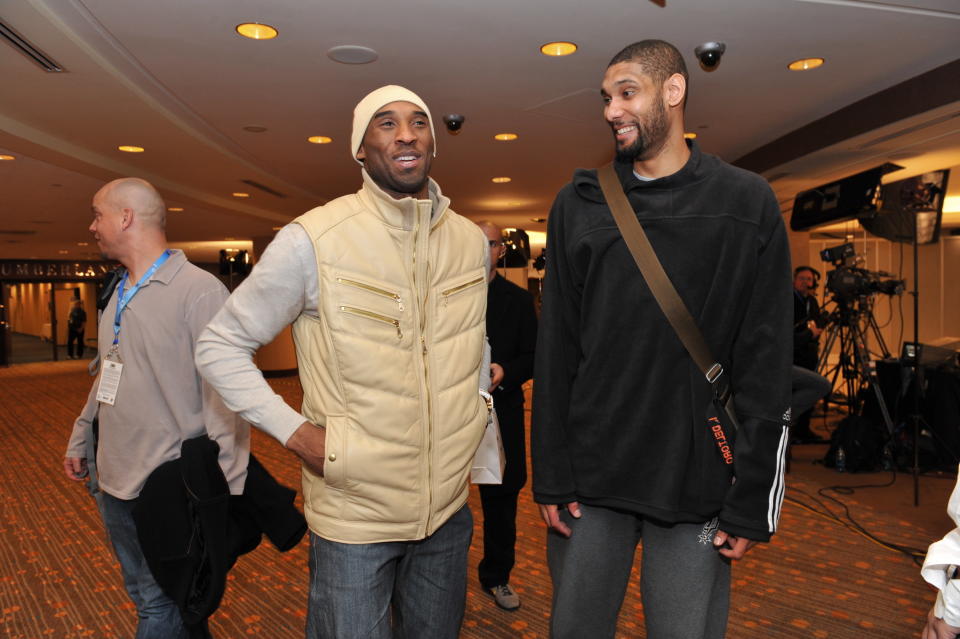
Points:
(426, 373)
(374, 316)
(373, 289)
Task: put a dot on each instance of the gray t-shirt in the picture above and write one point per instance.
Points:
(161, 400)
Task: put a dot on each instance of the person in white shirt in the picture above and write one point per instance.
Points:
(940, 570)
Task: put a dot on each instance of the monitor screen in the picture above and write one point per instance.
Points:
(909, 207)
(838, 201)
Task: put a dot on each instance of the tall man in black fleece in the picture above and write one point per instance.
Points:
(621, 445)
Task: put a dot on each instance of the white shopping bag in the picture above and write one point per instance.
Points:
(489, 461)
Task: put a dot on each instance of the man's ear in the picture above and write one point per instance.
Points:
(674, 90)
(361, 153)
(126, 218)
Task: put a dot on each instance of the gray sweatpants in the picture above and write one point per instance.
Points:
(684, 581)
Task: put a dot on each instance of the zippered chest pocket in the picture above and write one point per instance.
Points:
(369, 303)
(373, 289)
(373, 316)
(453, 291)
(459, 303)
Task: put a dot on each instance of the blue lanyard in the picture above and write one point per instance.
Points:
(123, 300)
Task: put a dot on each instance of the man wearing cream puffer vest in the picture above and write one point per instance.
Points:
(386, 292)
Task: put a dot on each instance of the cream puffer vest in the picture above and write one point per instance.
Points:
(392, 364)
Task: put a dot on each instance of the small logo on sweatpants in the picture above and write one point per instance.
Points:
(709, 530)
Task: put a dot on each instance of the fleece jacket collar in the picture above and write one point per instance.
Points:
(697, 167)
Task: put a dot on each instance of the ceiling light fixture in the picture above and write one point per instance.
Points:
(256, 31)
(505, 137)
(352, 54)
(558, 48)
(83, 244)
(241, 195)
(130, 149)
(7, 157)
(500, 180)
(63, 251)
(805, 64)
(690, 136)
(175, 209)
(319, 139)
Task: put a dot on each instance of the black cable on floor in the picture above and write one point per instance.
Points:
(848, 521)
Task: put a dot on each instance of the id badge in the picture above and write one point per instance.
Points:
(109, 381)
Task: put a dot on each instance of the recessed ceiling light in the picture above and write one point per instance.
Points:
(277, 228)
(130, 149)
(558, 48)
(500, 180)
(7, 157)
(241, 195)
(352, 54)
(175, 209)
(256, 31)
(254, 129)
(505, 137)
(319, 139)
(83, 243)
(805, 64)
(63, 251)
(690, 136)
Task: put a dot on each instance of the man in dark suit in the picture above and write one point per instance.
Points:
(512, 332)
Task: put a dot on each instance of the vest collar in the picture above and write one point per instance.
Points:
(402, 213)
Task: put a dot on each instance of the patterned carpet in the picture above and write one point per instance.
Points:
(58, 577)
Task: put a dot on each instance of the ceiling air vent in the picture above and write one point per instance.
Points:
(263, 187)
(27, 49)
(909, 129)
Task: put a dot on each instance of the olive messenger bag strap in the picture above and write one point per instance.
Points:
(662, 288)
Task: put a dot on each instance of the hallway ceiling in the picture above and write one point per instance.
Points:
(175, 78)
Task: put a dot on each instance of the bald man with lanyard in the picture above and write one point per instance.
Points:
(148, 395)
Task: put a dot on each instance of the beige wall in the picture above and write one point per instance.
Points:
(29, 308)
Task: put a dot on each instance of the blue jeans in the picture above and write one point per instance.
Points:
(159, 617)
(403, 589)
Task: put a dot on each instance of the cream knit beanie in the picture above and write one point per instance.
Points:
(367, 108)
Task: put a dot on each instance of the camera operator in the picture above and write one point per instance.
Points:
(807, 326)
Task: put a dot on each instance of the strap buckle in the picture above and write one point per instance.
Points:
(714, 373)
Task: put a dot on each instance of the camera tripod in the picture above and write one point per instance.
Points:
(852, 322)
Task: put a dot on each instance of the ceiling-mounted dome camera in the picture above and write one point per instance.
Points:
(709, 54)
(453, 121)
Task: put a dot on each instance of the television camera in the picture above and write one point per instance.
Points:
(848, 283)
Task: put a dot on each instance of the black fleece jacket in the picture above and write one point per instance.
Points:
(619, 408)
